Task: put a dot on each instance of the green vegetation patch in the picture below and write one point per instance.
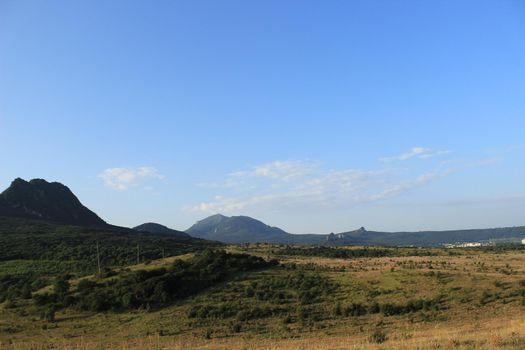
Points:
(48, 248)
(153, 288)
(345, 253)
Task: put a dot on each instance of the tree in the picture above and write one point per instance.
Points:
(61, 287)
(25, 291)
(48, 314)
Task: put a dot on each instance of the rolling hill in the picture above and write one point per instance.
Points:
(241, 229)
(155, 228)
(74, 248)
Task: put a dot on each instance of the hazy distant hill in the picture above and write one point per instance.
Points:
(239, 229)
(426, 238)
(152, 227)
(52, 201)
(243, 229)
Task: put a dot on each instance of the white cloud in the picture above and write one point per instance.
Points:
(228, 183)
(415, 152)
(397, 189)
(312, 187)
(124, 178)
(278, 170)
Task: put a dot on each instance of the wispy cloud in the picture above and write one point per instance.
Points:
(312, 187)
(279, 170)
(124, 178)
(415, 152)
(421, 180)
(225, 184)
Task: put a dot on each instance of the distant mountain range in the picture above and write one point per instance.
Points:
(54, 202)
(151, 227)
(428, 238)
(51, 201)
(243, 229)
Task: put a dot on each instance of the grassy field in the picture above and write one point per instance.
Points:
(408, 298)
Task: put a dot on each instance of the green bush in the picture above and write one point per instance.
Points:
(61, 287)
(48, 314)
(355, 309)
(374, 308)
(379, 336)
(236, 327)
(338, 310)
(85, 286)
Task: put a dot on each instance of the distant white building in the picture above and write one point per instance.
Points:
(523, 241)
(464, 245)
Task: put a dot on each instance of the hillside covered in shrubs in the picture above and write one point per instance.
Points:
(152, 288)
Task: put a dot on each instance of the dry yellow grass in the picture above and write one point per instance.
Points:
(464, 326)
(491, 334)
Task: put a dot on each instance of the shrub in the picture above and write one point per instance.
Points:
(107, 272)
(485, 297)
(355, 309)
(128, 300)
(25, 291)
(302, 313)
(249, 292)
(374, 308)
(378, 337)
(338, 310)
(85, 286)
(10, 304)
(48, 314)
(43, 299)
(287, 319)
(192, 313)
(236, 327)
(207, 333)
(254, 313)
(61, 287)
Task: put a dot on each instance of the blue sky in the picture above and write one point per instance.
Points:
(314, 116)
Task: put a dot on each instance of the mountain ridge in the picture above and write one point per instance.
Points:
(55, 202)
(52, 201)
(236, 229)
(243, 229)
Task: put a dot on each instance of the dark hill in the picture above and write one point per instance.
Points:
(237, 229)
(51, 201)
(65, 248)
(152, 227)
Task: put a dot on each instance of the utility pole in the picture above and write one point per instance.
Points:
(98, 258)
